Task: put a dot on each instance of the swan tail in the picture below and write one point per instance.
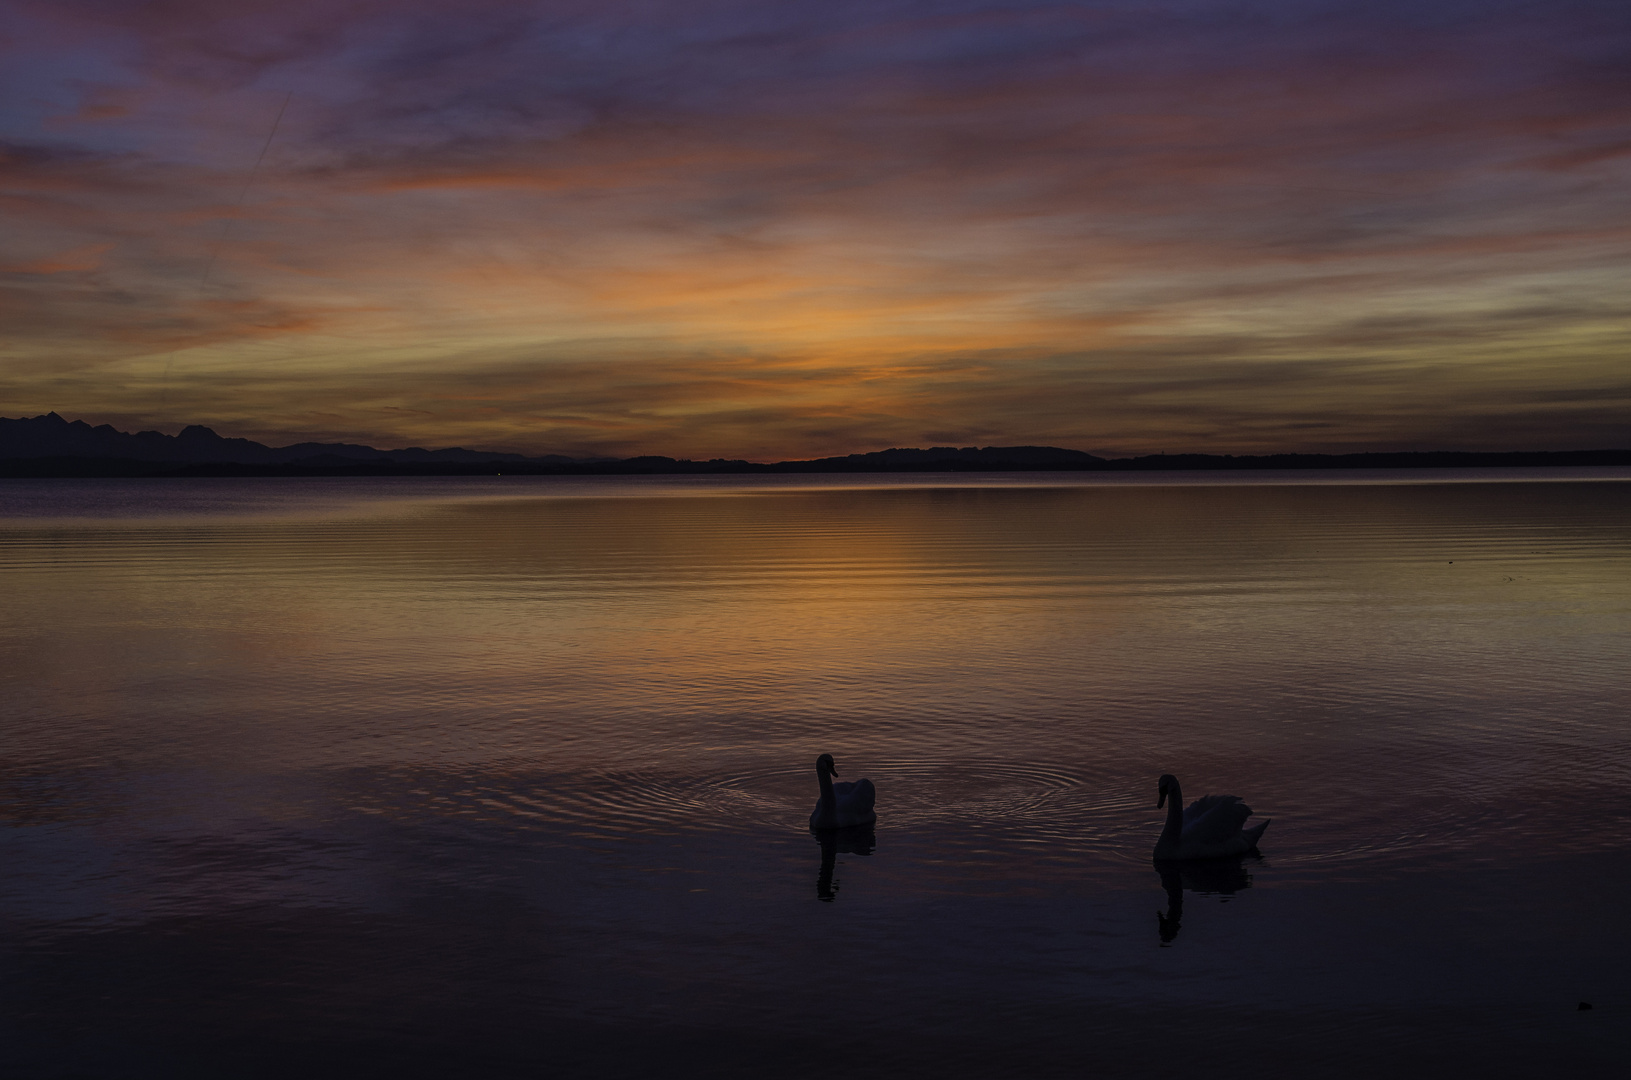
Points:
(1254, 834)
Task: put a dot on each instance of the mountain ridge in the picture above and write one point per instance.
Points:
(49, 435)
(48, 445)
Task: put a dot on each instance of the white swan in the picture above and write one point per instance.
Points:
(1209, 829)
(841, 806)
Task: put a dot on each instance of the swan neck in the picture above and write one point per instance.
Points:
(825, 780)
(1174, 830)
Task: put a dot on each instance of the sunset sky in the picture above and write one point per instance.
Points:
(773, 230)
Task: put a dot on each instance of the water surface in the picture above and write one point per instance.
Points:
(508, 776)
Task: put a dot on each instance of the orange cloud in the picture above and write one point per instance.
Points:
(86, 257)
(757, 230)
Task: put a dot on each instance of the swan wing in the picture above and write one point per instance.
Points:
(853, 803)
(1214, 819)
(857, 797)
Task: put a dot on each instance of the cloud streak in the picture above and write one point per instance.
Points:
(768, 230)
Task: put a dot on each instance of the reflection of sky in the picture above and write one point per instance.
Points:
(777, 230)
(491, 771)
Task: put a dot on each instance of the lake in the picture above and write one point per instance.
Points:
(510, 776)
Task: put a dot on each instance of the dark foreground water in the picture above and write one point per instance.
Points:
(509, 777)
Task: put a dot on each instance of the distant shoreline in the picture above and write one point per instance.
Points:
(970, 460)
(48, 446)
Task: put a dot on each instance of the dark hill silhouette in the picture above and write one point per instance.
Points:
(51, 446)
(50, 436)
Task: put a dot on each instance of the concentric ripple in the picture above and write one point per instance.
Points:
(1059, 814)
(930, 791)
(1043, 802)
(607, 802)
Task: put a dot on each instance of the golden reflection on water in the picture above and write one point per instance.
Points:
(1387, 638)
(413, 773)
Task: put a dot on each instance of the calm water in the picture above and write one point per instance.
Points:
(510, 776)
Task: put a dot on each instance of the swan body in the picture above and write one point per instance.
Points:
(841, 806)
(1211, 827)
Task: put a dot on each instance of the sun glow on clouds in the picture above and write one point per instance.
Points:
(770, 231)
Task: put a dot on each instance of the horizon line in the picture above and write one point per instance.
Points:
(1102, 455)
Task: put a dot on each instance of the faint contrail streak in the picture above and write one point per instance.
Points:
(237, 206)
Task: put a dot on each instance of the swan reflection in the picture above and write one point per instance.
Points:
(859, 840)
(1209, 877)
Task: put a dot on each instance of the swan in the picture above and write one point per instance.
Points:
(841, 806)
(1209, 829)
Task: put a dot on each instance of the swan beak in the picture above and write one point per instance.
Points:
(833, 769)
(1162, 801)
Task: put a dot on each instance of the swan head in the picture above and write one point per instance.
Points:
(825, 767)
(1165, 786)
